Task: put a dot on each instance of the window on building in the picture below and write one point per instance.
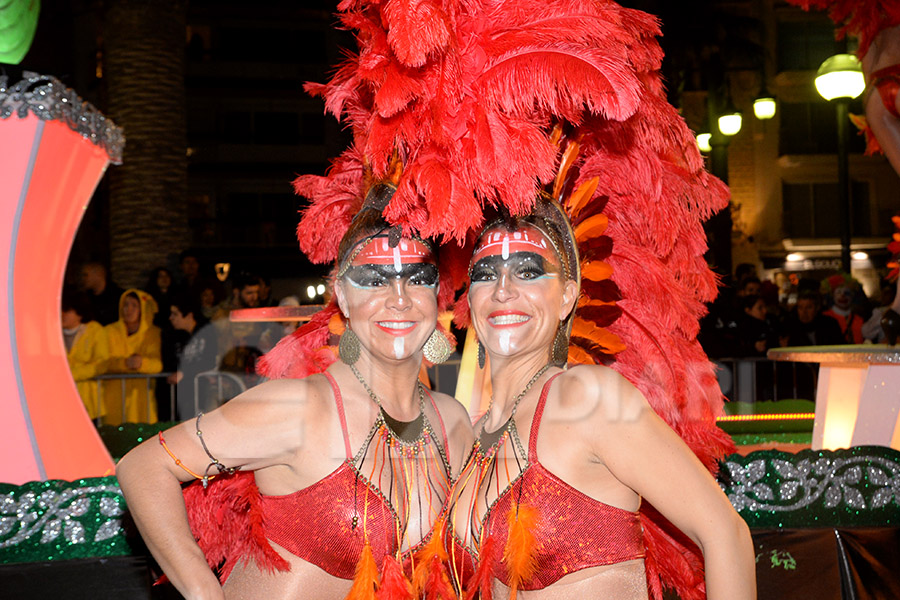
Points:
(273, 218)
(811, 128)
(811, 210)
(804, 45)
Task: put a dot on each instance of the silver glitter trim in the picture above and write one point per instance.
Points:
(809, 481)
(60, 512)
(50, 100)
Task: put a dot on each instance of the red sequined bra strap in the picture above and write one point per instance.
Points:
(439, 418)
(536, 421)
(339, 402)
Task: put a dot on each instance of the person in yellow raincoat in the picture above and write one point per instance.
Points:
(134, 347)
(86, 350)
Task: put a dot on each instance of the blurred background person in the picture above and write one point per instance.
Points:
(134, 347)
(196, 353)
(86, 348)
(843, 289)
(103, 294)
(806, 326)
(871, 329)
(160, 285)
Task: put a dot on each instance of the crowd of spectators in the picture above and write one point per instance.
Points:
(751, 316)
(179, 326)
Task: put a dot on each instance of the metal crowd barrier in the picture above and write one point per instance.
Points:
(753, 379)
(218, 376)
(220, 398)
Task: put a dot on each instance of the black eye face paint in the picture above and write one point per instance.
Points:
(373, 276)
(523, 266)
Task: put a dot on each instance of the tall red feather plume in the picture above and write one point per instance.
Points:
(473, 123)
(863, 18)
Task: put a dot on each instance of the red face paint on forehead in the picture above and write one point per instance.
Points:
(506, 243)
(378, 251)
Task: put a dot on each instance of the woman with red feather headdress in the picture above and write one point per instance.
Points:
(328, 485)
(488, 101)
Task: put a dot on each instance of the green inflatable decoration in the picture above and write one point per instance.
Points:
(18, 22)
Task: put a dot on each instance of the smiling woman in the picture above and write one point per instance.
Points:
(555, 512)
(351, 468)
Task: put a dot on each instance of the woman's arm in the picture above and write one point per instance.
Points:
(644, 454)
(253, 431)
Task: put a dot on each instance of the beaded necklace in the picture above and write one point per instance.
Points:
(482, 474)
(409, 467)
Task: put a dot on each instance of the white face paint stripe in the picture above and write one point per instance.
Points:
(399, 347)
(398, 263)
(504, 340)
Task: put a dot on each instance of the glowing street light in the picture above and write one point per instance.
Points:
(840, 79)
(840, 76)
(703, 142)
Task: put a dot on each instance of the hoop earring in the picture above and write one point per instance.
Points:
(437, 348)
(482, 358)
(348, 347)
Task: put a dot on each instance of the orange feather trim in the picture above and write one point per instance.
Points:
(600, 336)
(596, 270)
(521, 546)
(591, 227)
(365, 582)
(578, 356)
(482, 580)
(437, 586)
(568, 159)
(394, 584)
(580, 197)
(423, 559)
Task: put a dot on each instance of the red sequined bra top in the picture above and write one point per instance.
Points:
(327, 523)
(574, 531)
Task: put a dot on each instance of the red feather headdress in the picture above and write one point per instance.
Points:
(862, 18)
(482, 103)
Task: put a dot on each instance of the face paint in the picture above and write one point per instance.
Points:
(525, 254)
(504, 243)
(377, 250)
(504, 338)
(522, 266)
(379, 275)
(399, 347)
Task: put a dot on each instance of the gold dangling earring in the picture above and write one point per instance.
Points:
(482, 358)
(437, 349)
(348, 347)
(559, 352)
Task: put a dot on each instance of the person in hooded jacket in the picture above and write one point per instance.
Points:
(86, 350)
(134, 347)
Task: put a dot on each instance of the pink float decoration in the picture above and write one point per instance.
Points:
(54, 149)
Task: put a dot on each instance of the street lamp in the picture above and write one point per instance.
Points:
(764, 106)
(730, 120)
(703, 142)
(840, 79)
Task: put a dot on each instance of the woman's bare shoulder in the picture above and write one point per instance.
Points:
(598, 395)
(450, 408)
(280, 399)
